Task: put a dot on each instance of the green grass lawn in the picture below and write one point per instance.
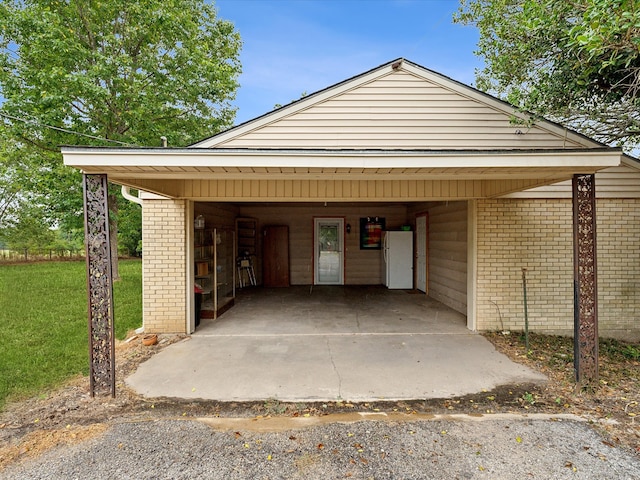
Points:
(43, 322)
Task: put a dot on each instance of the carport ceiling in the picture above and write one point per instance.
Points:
(179, 173)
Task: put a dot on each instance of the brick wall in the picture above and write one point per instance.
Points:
(618, 231)
(164, 266)
(537, 235)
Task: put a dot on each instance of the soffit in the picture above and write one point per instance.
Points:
(140, 168)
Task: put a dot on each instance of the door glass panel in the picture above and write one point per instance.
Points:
(329, 253)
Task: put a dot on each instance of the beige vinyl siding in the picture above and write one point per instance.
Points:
(399, 110)
(615, 182)
(448, 254)
(217, 215)
(362, 267)
(348, 190)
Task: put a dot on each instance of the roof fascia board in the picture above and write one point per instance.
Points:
(392, 175)
(338, 159)
(631, 161)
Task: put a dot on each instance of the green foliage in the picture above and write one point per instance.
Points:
(575, 62)
(117, 71)
(619, 350)
(28, 230)
(43, 322)
(529, 398)
(16, 178)
(129, 229)
(129, 71)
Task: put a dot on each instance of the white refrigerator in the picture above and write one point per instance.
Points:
(397, 259)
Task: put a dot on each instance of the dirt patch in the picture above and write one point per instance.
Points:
(37, 442)
(615, 400)
(69, 414)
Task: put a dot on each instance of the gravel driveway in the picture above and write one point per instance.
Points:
(496, 447)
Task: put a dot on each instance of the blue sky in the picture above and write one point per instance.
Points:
(296, 46)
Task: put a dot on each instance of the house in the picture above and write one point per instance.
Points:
(487, 193)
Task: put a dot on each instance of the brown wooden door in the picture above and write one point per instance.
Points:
(275, 256)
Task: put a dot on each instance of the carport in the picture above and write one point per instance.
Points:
(377, 176)
(330, 343)
(398, 134)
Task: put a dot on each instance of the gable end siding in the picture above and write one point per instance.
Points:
(614, 182)
(398, 110)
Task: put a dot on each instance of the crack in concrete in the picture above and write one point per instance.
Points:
(335, 369)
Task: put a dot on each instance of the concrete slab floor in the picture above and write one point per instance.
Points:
(329, 343)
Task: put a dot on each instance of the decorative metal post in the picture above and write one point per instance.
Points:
(99, 286)
(585, 285)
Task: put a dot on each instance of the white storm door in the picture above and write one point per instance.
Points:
(328, 251)
(421, 253)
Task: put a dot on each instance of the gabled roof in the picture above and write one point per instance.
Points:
(398, 105)
(399, 132)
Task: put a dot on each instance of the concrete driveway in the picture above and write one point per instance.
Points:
(329, 343)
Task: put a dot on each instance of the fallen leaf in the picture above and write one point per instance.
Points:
(519, 439)
(321, 446)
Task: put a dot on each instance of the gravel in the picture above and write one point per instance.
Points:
(496, 448)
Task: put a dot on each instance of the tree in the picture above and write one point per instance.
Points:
(28, 231)
(130, 229)
(15, 180)
(111, 73)
(576, 62)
